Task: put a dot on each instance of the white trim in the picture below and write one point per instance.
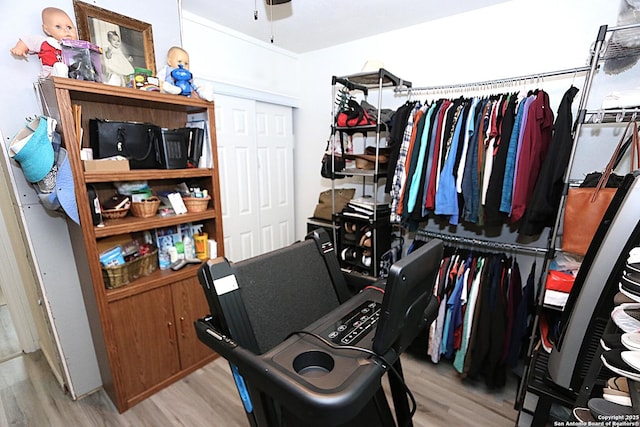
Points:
(251, 93)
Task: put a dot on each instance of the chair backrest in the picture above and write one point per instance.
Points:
(285, 291)
(278, 292)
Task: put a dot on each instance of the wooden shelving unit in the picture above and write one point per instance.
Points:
(143, 332)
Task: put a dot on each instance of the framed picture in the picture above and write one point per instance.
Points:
(126, 42)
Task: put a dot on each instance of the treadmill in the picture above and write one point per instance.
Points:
(302, 349)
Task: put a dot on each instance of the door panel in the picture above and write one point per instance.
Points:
(275, 175)
(144, 331)
(255, 147)
(189, 305)
(235, 124)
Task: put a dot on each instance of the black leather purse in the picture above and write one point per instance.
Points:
(138, 142)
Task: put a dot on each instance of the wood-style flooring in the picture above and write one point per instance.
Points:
(30, 396)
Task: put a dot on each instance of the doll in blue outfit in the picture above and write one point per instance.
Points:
(176, 78)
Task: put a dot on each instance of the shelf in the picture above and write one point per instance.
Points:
(350, 130)
(383, 218)
(370, 80)
(621, 44)
(145, 174)
(130, 224)
(106, 94)
(135, 360)
(382, 173)
(157, 279)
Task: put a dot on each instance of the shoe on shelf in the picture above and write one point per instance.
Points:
(633, 267)
(627, 316)
(620, 298)
(611, 341)
(613, 360)
(631, 340)
(602, 409)
(631, 296)
(620, 384)
(616, 396)
(583, 415)
(632, 358)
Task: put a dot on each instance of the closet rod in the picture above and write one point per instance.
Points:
(479, 242)
(567, 71)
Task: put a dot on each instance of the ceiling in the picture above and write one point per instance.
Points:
(305, 25)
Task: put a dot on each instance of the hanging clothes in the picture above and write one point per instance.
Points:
(399, 177)
(446, 198)
(522, 324)
(500, 150)
(470, 305)
(481, 306)
(394, 140)
(547, 193)
(470, 186)
(535, 145)
(511, 161)
(478, 160)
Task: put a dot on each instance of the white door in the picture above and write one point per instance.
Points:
(255, 149)
(275, 175)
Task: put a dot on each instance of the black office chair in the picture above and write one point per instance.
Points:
(273, 318)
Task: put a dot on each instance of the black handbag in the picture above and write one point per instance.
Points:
(138, 142)
(333, 163)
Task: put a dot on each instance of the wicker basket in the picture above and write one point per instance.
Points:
(115, 213)
(145, 208)
(196, 204)
(124, 274)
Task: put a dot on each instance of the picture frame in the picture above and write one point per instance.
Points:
(126, 43)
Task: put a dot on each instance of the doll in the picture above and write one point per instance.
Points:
(57, 25)
(175, 77)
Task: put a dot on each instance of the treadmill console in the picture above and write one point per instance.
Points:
(355, 325)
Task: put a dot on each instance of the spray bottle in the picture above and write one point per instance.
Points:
(200, 239)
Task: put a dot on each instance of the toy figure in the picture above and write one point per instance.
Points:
(117, 66)
(182, 79)
(57, 25)
(176, 78)
(82, 68)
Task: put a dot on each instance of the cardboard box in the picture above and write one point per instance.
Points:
(106, 165)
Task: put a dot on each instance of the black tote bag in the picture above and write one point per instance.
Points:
(138, 142)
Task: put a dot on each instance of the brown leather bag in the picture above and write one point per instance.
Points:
(342, 197)
(585, 207)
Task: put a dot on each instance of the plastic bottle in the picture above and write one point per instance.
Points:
(189, 251)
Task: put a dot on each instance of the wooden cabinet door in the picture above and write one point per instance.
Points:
(145, 336)
(189, 304)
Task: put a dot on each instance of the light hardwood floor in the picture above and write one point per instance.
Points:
(30, 396)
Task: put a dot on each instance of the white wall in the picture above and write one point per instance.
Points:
(19, 101)
(238, 65)
(510, 39)
(17, 76)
